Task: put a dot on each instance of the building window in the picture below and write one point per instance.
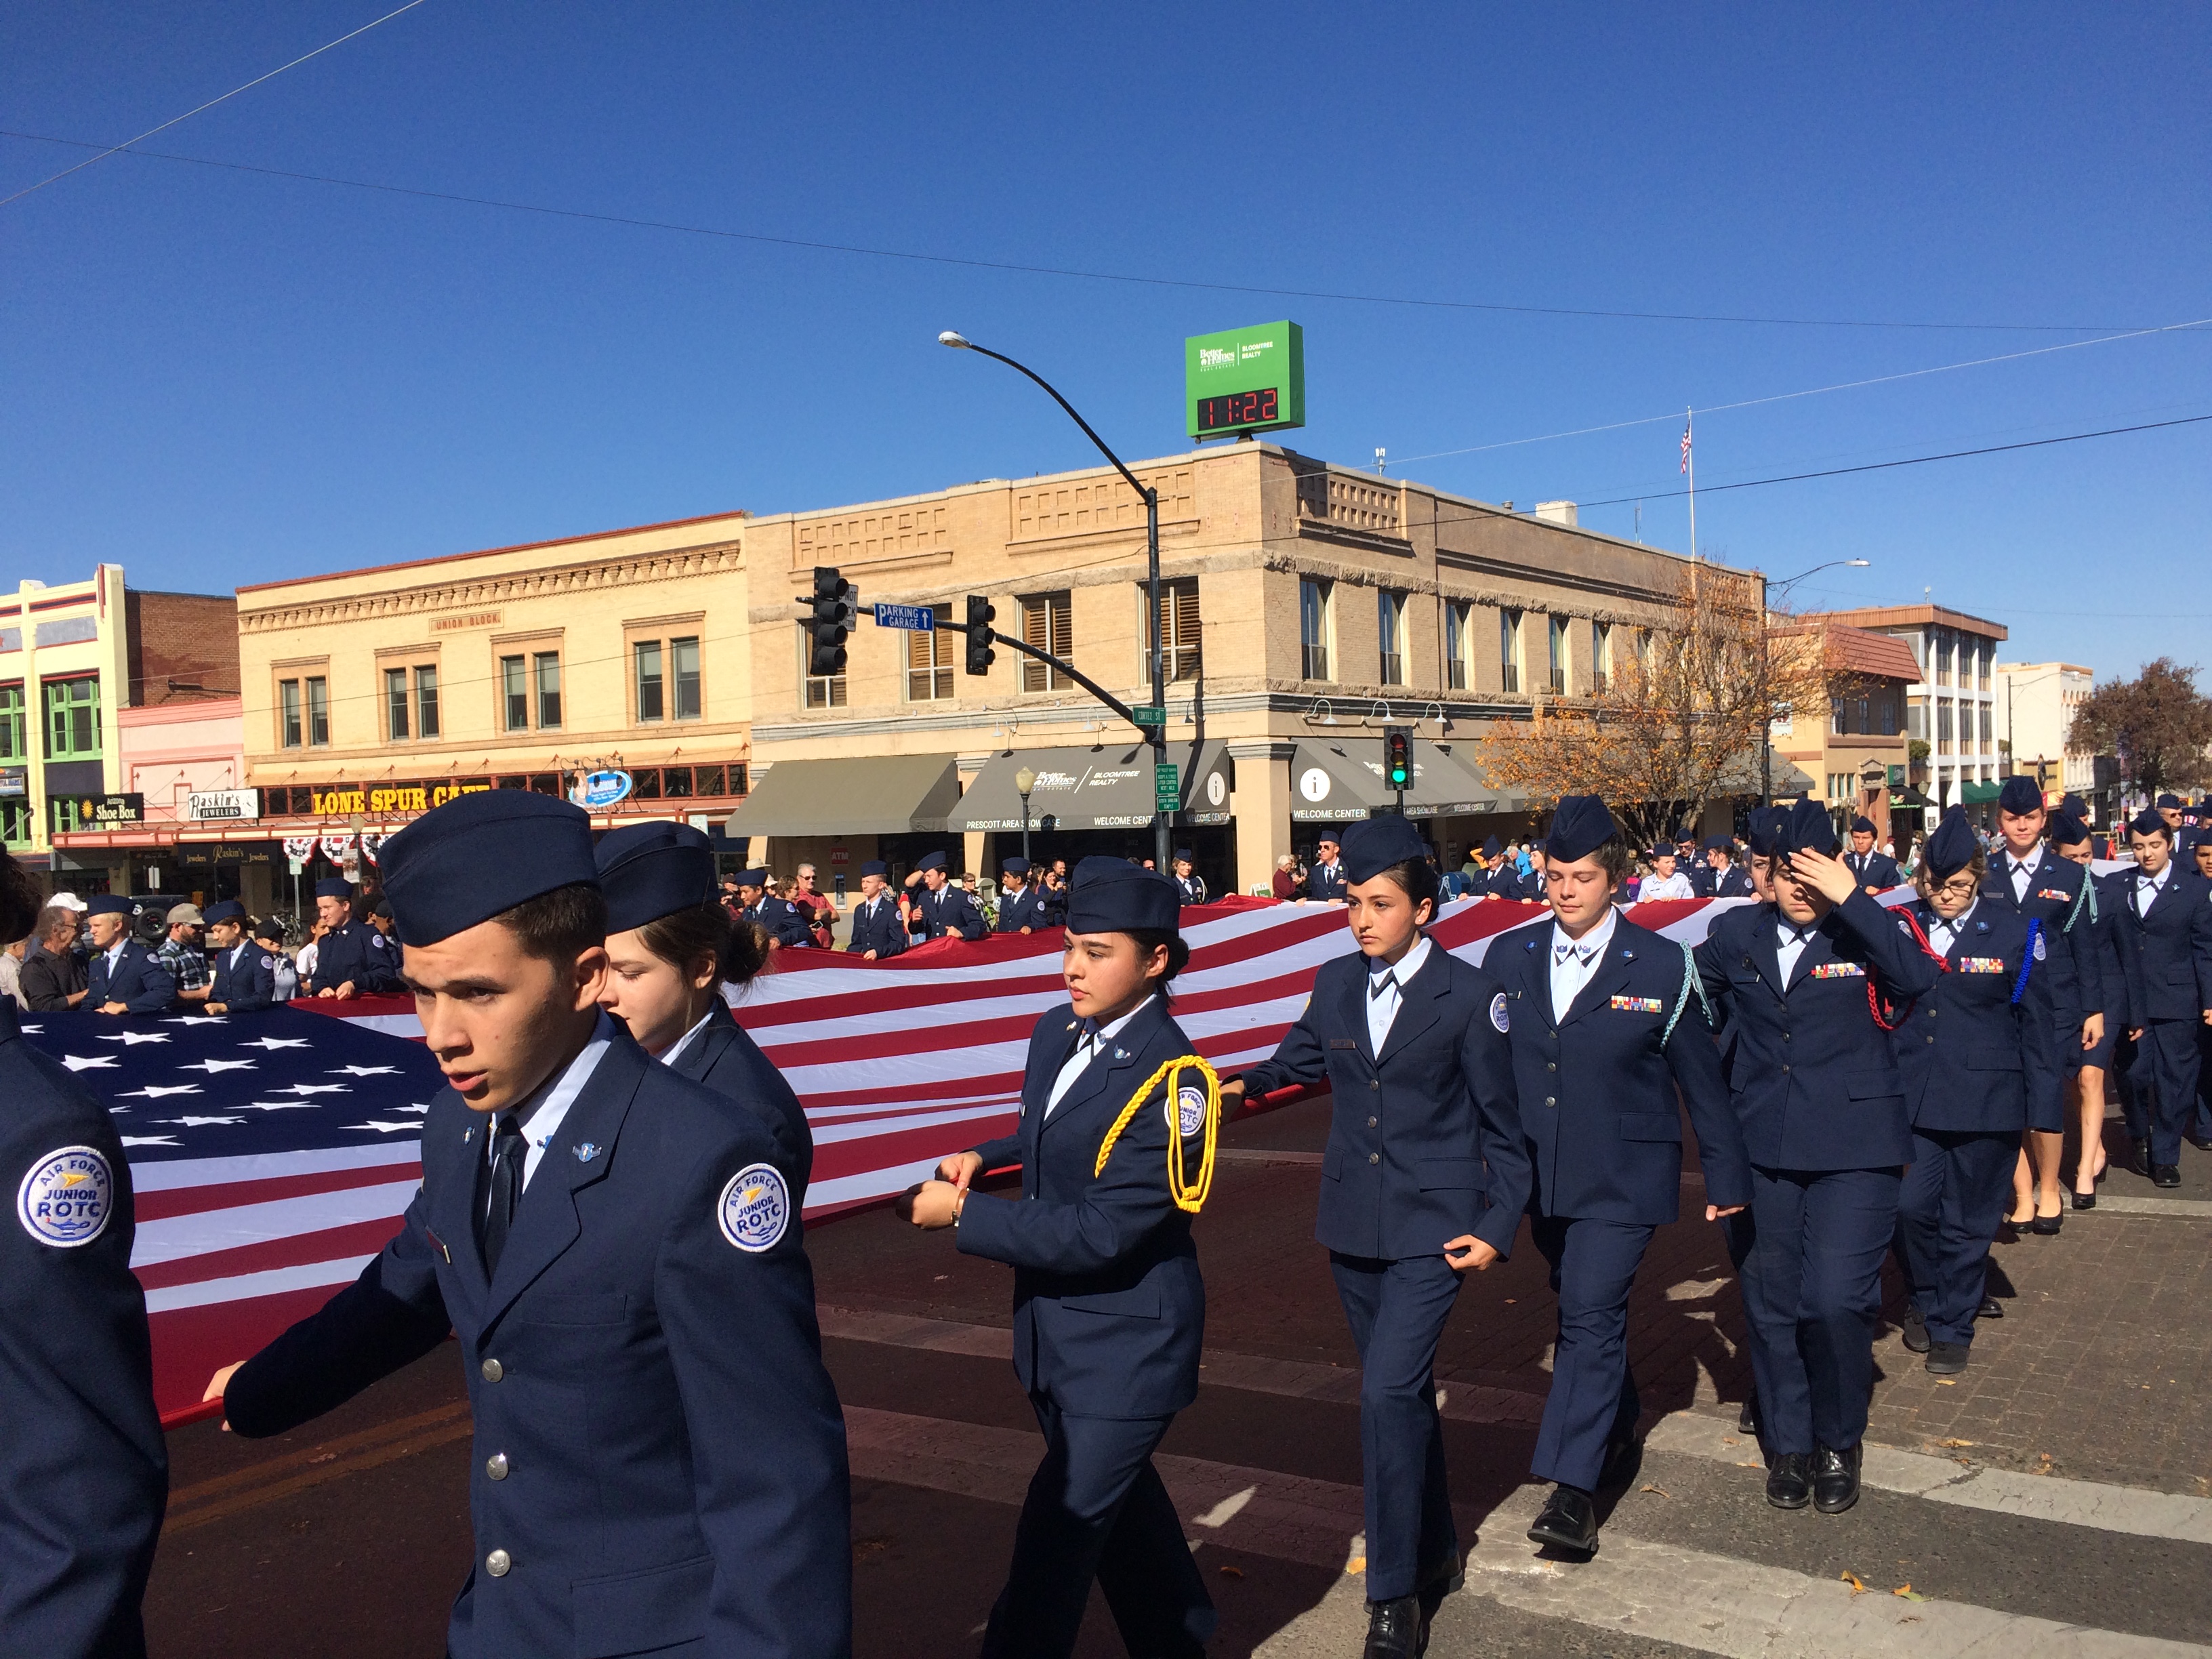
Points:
(817, 691)
(1601, 657)
(288, 713)
(12, 745)
(1557, 650)
(395, 702)
(1942, 728)
(929, 660)
(1508, 649)
(1943, 658)
(1988, 734)
(548, 663)
(73, 719)
(1916, 719)
(683, 660)
(514, 694)
(1179, 629)
(649, 679)
(1046, 626)
(15, 823)
(1982, 673)
(426, 701)
(1317, 626)
(1390, 636)
(318, 712)
(1887, 703)
(1459, 629)
(1837, 724)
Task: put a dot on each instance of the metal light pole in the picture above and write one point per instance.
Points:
(1025, 781)
(1766, 725)
(1162, 826)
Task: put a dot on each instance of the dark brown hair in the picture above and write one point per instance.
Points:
(560, 926)
(1417, 879)
(20, 900)
(1613, 857)
(1149, 940)
(683, 937)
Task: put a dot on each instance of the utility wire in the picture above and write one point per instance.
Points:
(113, 149)
(680, 228)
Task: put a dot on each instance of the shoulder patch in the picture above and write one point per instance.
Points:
(1189, 1110)
(66, 1197)
(755, 1209)
(1498, 1016)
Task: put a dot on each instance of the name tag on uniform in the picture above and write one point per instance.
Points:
(1640, 1004)
(1838, 971)
(1981, 965)
(1343, 1042)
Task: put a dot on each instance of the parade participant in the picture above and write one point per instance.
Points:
(179, 953)
(2035, 884)
(1017, 900)
(244, 977)
(124, 976)
(1052, 896)
(670, 949)
(1665, 881)
(817, 909)
(1816, 1083)
(84, 1473)
(939, 907)
(352, 959)
(1761, 825)
(1969, 1077)
(1325, 875)
(658, 1456)
(1188, 882)
(2164, 937)
(1505, 873)
(1109, 1302)
(877, 932)
(269, 934)
(780, 923)
(1726, 880)
(52, 977)
(2106, 987)
(1608, 1021)
(1532, 880)
(1877, 871)
(1425, 1179)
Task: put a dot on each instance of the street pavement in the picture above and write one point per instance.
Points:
(2056, 1500)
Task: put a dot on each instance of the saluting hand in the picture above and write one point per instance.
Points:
(1831, 877)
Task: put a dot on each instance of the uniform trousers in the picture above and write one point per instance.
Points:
(1957, 1191)
(1593, 1401)
(1812, 1292)
(1097, 1509)
(1397, 1310)
(2167, 1059)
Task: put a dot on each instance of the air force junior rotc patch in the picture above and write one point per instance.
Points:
(66, 1197)
(756, 1208)
(1189, 1110)
(1497, 1015)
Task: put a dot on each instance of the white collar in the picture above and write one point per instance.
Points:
(1591, 943)
(540, 1115)
(1407, 966)
(2034, 857)
(2158, 880)
(1113, 1028)
(668, 1056)
(1957, 924)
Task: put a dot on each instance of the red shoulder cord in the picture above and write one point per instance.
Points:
(1889, 1018)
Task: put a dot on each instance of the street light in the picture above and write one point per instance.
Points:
(1163, 834)
(1025, 781)
(1766, 725)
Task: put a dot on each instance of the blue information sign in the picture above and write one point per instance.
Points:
(913, 618)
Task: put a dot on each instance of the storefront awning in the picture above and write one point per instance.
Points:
(1340, 778)
(1899, 800)
(875, 795)
(1978, 794)
(1108, 789)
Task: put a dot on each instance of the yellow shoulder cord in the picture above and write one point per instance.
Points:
(1187, 1195)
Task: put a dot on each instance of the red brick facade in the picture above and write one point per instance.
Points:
(182, 647)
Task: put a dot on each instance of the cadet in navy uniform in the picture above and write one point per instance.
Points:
(1426, 1177)
(2164, 935)
(1532, 883)
(877, 932)
(658, 1456)
(355, 958)
(1724, 880)
(1018, 910)
(1505, 881)
(1816, 1083)
(1189, 883)
(84, 1474)
(670, 949)
(1608, 1021)
(124, 976)
(243, 978)
(778, 919)
(1108, 1305)
(941, 908)
(1968, 1078)
(2101, 987)
(1877, 871)
(1325, 876)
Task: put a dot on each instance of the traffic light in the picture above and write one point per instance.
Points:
(833, 609)
(980, 613)
(1397, 758)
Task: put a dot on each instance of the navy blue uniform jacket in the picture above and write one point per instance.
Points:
(2071, 956)
(139, 981)
(249, 986)
(83, 1471)
(781, 920)
(1968, 1050)
(673, 1451)
(1425, 1141)
(1325, 881)
(355, 954)
(1597, 1088)
(2107, 895)
(1731, 883)
(1020, 910)
(1109, 1309)
(1874, 869)
(877, 927)
(1816, 1080)
(2166, 953)
(949, 910)
(1192, 888)
(726, 1059)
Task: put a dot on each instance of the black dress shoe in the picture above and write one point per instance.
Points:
(1568, 1521)
(2202, 1143)
(1947, 1358)
(2165, 1175)
(1395, 1629)
(1915, 1329)
(2047, 1224)
(1440, 1579)
(2085, 1200)
(1835, 1480)
(1620, 1455)
(1789, 1480)
(2139, 1158)
(1990, 1308)
(1746, 1420)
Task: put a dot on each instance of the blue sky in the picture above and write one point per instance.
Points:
(217, 377)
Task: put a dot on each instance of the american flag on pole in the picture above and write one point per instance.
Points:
(1686, 446)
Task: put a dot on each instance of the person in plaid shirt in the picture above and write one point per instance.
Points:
(181, 955)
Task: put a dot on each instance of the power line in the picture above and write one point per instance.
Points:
(678, 228)
(113, 150)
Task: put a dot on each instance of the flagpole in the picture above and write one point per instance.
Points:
(1690, 461)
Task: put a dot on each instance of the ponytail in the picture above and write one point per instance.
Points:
(739, 948)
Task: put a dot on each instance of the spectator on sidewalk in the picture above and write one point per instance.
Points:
(181, 953)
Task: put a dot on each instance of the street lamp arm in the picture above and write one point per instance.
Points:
(1001, 357)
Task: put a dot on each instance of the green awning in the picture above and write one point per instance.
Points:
(1978, 794)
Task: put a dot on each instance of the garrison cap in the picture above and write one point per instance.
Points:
(336, 886)
(1863, 826)
(1803, 826)
(752, 877)
(1492, 847)
(1720, 844)
(1579, 828)
(480, 855)
(1182, 856)
(1760, 828)
(2019, 796)
(2169, 800)
(2064, 830)
(270, 929)
(1018, 865)
(2076, 805)
(930, 861)
(2145, 823)
(648, 870)
(223, 910)
(1952, 847)
(1329, 838)
(112, 904)
(1113, 895)
(875, 867)
(1373, 845)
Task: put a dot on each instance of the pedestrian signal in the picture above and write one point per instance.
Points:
(834, 610)
(980, 613)
(1397, 758)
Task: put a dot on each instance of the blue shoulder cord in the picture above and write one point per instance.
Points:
(1691, 981)
(2027, 958)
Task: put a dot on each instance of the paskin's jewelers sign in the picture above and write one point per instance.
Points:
(222, 806)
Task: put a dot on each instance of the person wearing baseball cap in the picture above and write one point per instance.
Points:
(179, 953)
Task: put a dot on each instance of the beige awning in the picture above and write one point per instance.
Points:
(873, 795)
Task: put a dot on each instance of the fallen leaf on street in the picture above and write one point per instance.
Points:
(1228, 1571)
(1955, 1443)
(1908, 1592)
(1661, 1491)
(1857, 1584)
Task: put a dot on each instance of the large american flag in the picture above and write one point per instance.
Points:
(273, 1154)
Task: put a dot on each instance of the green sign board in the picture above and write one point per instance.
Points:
(1149, 714)
(1166, 793)
(1245, 380)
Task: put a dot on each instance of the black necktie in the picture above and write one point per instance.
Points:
(505, 1188)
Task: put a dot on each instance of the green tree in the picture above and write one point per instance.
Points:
(2158, 723)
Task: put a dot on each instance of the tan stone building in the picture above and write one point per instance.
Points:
(1305, 607)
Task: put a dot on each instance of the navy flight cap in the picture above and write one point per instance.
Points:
(1113, 895)
(1020, 866)
(1863, 826)
(875, 867)
(2019, 796)
(752, 877)
(930, 861)
(1719, 844)
(112, 904)
(1579, 828)
(337, 886)
(479, 856)
(2164, 801)
(1952, 847)
(648, 870)
(223, 910)
(1374, 844)
(2064, 830)
(1182, 856)
(1492, 847)
(1804, 826)
(2076, 805)
(2145, 823)
(1759, 828)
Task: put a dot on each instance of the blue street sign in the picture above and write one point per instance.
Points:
(913, 618)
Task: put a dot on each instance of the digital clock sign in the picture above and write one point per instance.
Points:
(1245, 380)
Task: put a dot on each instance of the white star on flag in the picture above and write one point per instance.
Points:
(87, 1062)
(278, 1106)
(155, 1090)
(195, 1122)
(391, 1128)
(132, 1039)
(213, 1065)
(275, 1042)
(193, 1019)
(149, 1140)
(363, 1071)
(312, 1089)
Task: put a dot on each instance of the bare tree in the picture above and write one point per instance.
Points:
(2158, 723)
